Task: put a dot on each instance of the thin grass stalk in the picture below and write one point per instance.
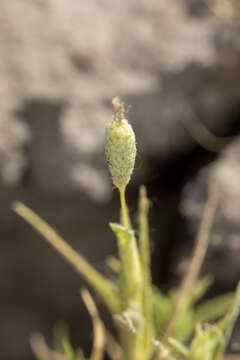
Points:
(104, 288)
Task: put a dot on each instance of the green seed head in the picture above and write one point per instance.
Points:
(120, 147)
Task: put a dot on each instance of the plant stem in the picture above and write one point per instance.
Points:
(124, 210)
(130, 275)
(104, 287)
(99, 339)
(134, 345)
(198, 256)
(145, 266)
(144, 236)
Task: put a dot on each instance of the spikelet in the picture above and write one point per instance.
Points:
(120, 147)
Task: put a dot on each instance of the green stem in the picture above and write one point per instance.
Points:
(145, 265)
(124, 210)
(144, 236)
(130, 268)
(131, 285)
(104, 287)
(200, 250)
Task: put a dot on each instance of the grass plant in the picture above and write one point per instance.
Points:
(151, 325)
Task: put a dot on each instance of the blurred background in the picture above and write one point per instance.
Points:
(177, 65)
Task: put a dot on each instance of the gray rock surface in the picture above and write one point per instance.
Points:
(224, 247)
(61, 63)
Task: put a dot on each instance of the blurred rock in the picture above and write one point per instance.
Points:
(222, 259)
(62, 63)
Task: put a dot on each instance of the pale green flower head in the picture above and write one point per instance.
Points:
(120, 147)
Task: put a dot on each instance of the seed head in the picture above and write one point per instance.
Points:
(120, 147)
